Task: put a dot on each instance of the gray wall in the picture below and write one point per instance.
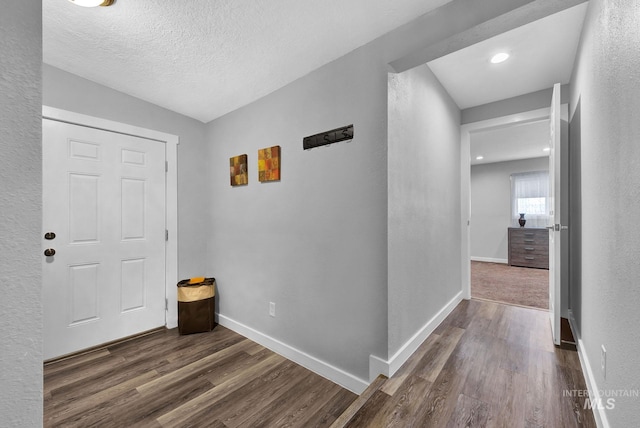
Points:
(605, 100)
(491, 205)
(316, 242)
(424, 203)
(21, 202)
(69, 92)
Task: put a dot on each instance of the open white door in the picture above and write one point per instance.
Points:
(555, 226)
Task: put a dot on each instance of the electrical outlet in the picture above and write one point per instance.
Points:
(272, 309)
(603, 361)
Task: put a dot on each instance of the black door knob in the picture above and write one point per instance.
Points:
(49, 252)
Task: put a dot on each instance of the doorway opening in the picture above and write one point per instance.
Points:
(509, 186)
(508, 173)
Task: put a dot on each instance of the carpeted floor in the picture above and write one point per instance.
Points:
(510, 284)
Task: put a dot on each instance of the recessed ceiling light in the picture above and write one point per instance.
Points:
(92, 3)
(499, 57)
(479, 157)
(546, 149)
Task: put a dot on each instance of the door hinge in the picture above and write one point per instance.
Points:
(166, 234)
(166, 304)
(166, 166)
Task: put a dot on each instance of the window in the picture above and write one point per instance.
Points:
(530, 195)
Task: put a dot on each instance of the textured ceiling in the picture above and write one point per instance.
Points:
(542, 53)
(205, 58)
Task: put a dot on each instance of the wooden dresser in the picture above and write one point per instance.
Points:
(529, 247)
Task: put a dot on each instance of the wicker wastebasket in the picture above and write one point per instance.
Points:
(196, 305)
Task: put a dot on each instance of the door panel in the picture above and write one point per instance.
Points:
(83, 284)
(132, 285)
(133, 215)
(104, 197)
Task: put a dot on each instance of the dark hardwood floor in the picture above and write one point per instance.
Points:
(216, 379)
(487, 364)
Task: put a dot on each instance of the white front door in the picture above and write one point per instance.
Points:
(555, 227)
(104, 199)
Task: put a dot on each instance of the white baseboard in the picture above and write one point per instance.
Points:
(334, 374)
(598, 413)
(489, 260)
(379, 366)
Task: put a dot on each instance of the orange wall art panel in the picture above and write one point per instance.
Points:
(269, 164)
(239, 171)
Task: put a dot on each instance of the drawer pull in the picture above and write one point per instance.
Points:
(529, 240)
(529, 248)
(529, 258)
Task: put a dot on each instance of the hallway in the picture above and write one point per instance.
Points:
(486, 365)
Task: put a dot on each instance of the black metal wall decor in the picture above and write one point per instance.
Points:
(328, 137)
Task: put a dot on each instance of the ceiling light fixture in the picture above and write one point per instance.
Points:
(479, 157)
(92, 3)
(499, 57)
(546, 149)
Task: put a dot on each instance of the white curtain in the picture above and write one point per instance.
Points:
(530, 196)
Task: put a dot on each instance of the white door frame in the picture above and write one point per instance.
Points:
(465, 182)
(171, 149)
